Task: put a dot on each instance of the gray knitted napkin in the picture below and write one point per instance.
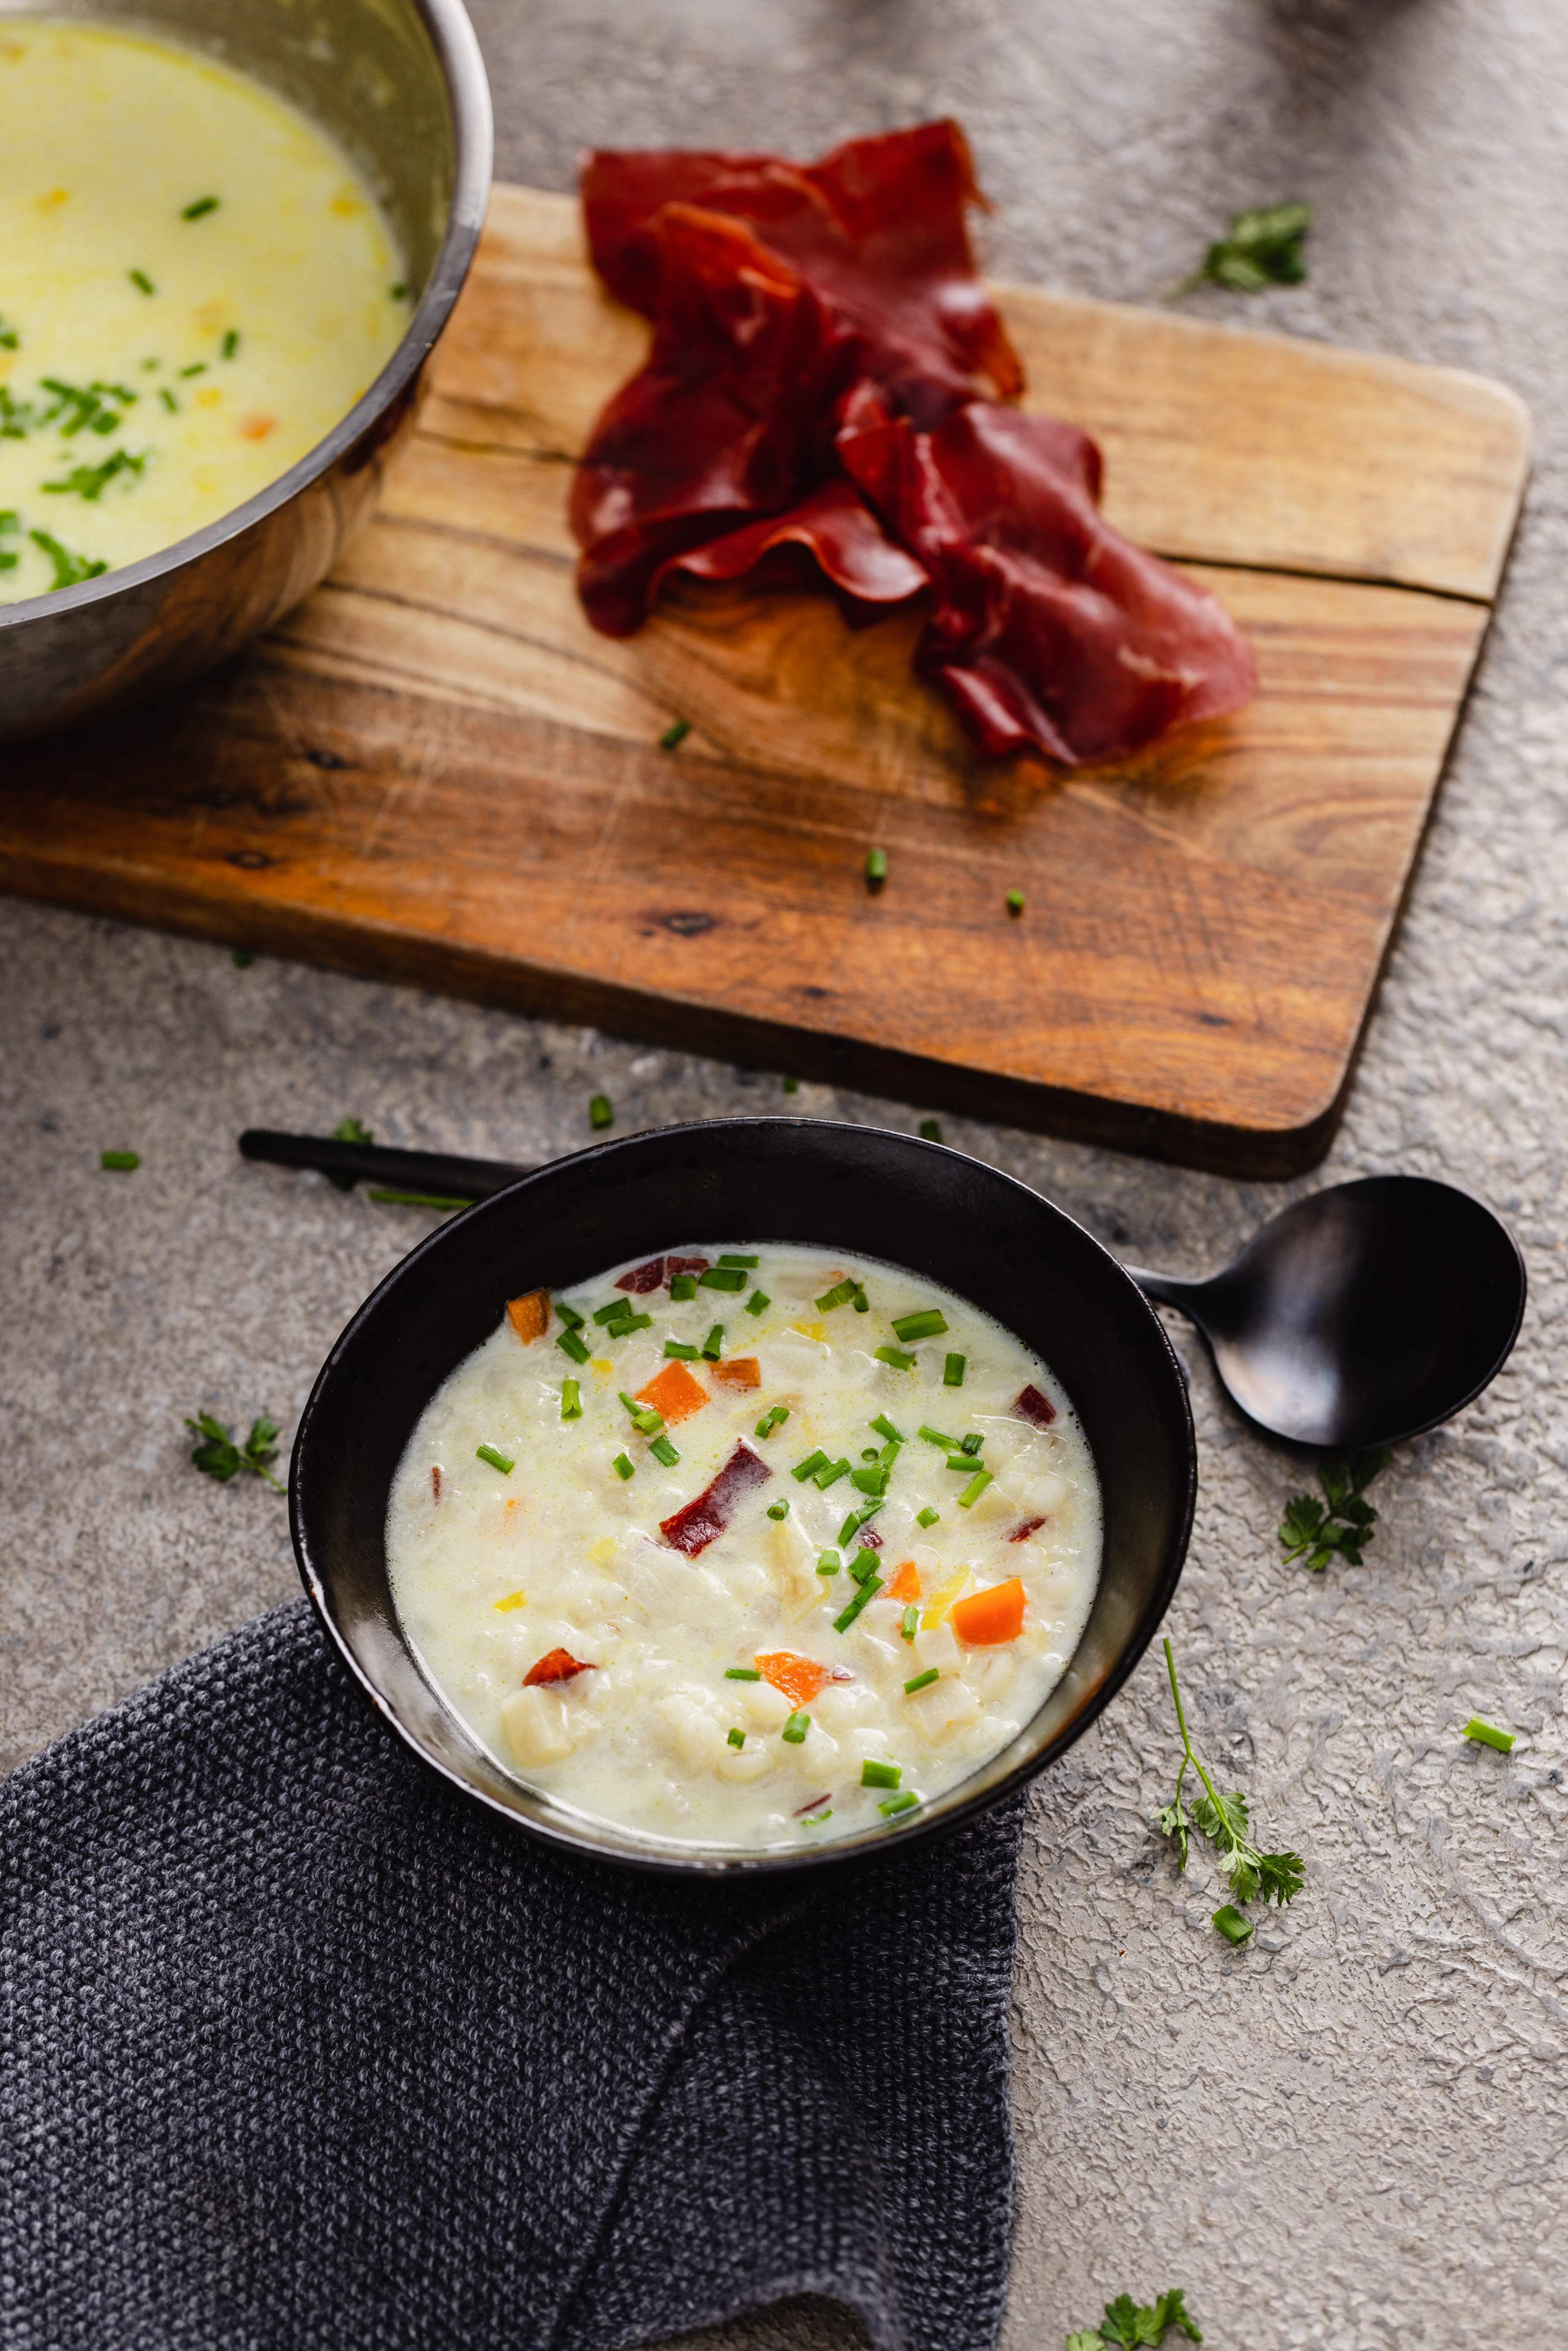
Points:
(300, 2051)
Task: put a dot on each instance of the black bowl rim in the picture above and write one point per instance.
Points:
(728, 1865)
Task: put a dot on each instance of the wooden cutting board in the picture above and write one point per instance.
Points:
(435, 771)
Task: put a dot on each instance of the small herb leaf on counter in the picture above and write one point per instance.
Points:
(349, 1130)
(217, 1456)
(1485, 1734)
(1126, 2325)
(1261, 247)
(1224, 1821)
(674, 734)
(1343, 1523)
(599, 1113)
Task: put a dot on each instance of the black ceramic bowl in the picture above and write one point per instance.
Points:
(853, 1189)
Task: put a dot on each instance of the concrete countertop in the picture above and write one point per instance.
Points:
(1350, 2132)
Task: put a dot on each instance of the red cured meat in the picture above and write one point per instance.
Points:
(693, 1528)
(673, 1265)
(556, 1665)
(836, 526)
(1030, 1405)
(644, 1278)
(1024, 1529)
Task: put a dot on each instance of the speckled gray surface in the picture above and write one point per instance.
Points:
(1351, 2134)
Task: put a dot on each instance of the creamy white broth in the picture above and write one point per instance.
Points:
(194, 289)
(495, 1572)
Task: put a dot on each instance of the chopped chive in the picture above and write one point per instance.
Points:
(713, 1345)
(414, 1199)
(729, 1256)
(927, 1517)
(777, 1510)
(911, 1625)
(810, 1466)
(841, 1294)
(622, 1467)
(199, 210)
(674, 734)
(568, 1315)
(974, 1490)
(627, 1324)
(200, 368)
(856, 1519)
(398, 292)
(928, 1324)
(885, 1428)
(875, 867)
(616, 1312)
(663, 1451)
(738, 1738)
(953, 1372)
(870, 1453)
(230, 343)
(880, 1775)
(832, 1472)
(774, 1417)
(1231, 1924)
(722, 1276)
(682, 1286)
(681, 1352)
(1015, 902)
(922, 1681)
(815, 1820)
(873, 1481)
(139, 279)
(796, 1727)
(862, 1567)
(600, 1114)
(962, 1462)
(742, 1673)
(866, 1594)
(120, 1163)
(646, 1418)
(931, 1129)
(1475, 1729)
(168, 399)
(829, 1563)
(973, 1442)
(902, 1802)
(891, 1355)
(790, 1085)
(570, 1400)
(758, 1302)
(243, 958)
(934, 1437)
(497, 1459)
(862, 1302)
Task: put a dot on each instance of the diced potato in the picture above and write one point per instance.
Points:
(697, 1736)
(748, 1763)
(1045, 1495)
(535, 1727)
(939, 1647)
(989, 1672)
(816, 1755)
(763, 1705)
(793, 1561)
(945, 1708)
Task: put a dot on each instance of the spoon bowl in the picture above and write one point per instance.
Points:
(1362, 1314)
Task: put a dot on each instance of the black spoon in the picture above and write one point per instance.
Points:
(1362, 1314)
(1357, 1317)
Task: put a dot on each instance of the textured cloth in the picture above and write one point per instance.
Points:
(300, 2049)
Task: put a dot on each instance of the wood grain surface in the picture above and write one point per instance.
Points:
(435, 770)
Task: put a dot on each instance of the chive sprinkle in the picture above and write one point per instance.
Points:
(722, 1276)
(600, 1114)
(774, 1417)
(953, 1372)
(815, 1820)
(790, 1085)
(738, 1738)
(570, 1400)
(972, 1442)
(829, 1563)
(616, 1312)
(875, 867)
(120, 1163)
(731, 1257)
(777, 1510)
(862, 1567)
(674, 734)
(758, 1302)
(885, 1428)
(891, 1355)
(880, 1775)
(902, 1802)
(796, 1727)
(713, 1345)
(683, 1287)
(681, 1352)
(1231, 1924)
(1483, 1732)
(497, 1459)
(841, 1294)
(568, 1315)
(742, 1673)
(628, 1323)
(931, 1129)
(856, 1519)
(200, 209)
(663, 1451)
(230, 343)
(622, 1468)
(414, 1199)
(928, 1324)
(863, 1599)
(1015, 902)
(922, 1681)
(139, 279)
(810, 1466)
(168, 399)
(911, 1625)
(934, 1437)
(927, 1517)
(831, 1474)
(974, 1490)
(200, 368)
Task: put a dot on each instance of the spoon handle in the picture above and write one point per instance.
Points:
(422, 1171)
(1163, 1288)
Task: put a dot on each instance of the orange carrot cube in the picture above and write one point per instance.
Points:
(799, 1678)
(987, 1617)
(674, 1392)
(530, 1315)
(740, 1371)
(905, 1585)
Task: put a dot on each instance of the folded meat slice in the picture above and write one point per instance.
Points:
(1048, 628)
(702, 1521)
(835, 525)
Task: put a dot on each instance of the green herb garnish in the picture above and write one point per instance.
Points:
(415, 1199)
(349, 1130)
(885, 1428)
(1277, 1877)
(497, 1459)
(774, 1417)
(742, 1673)
(758, 1302)
(736, 1738)
(622, 1467)
(875, 867)
(922, 1681)
(1345, 1524)
(829, 1563)
(863, 1599)
(120, 1163)
(1484, 1733)
(974, 1490)
(1261, 247)
(929, 1323)
(722, 1276)
(930, 1130)
(796, 1727)
(217, 1456)
(681, 1352)
(713, 1345)
(856, 1519)
(880, 1775)
(197, 367)
(570, 1400)
(683, 1288)
(663, 1451)
(927, 1517)
(200, 209)
(1125, 2327)
(953, 1372)
(903, 1802)
(843, 1293)
(568, 1315)
(674, 734)
(892, 1356)
(168, 399)
(10, 339)
(777, 1510)
(934, 1437)
(790, 1085)
(831, 1471)
(1015, 902)
(600, 1114)
(70, 570)
(230, 343)
(733, 1257)
(141, 280)
(911, 1625)
(810, 1466)
(570, 1344)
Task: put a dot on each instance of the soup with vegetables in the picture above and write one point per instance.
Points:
(194, 287)
(745, 1546)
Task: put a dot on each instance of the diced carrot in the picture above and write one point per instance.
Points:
(555, 1665)
(530, 1315)
(989, 1616)
(799, 1678)
(674, 1392)
(905, 1585)
(739, 1371)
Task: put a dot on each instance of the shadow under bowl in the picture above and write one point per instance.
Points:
(855, 1191)
(400, 85)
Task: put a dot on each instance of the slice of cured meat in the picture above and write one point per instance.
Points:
(700, 1522)
(1037, 1409)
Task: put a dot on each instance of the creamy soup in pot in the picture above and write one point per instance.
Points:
(747, 1545)
(194, 287)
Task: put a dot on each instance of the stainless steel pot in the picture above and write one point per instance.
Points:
(400, 85)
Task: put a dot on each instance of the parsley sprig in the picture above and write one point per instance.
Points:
(349, 1130)
(1126, 2324)
(1262, 247)
(217, 1456)
(1223, 1820)
(1343, 1523)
